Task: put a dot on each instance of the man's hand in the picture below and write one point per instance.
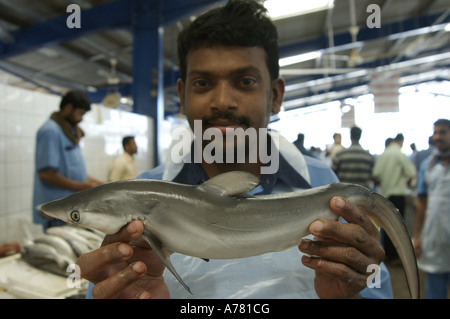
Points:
(341, 252)
(124, 267)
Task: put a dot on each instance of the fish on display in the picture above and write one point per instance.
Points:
(46, 257)
(60, 244)
(80, 244)
(219, 220)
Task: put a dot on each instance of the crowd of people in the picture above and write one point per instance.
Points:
(394, 175)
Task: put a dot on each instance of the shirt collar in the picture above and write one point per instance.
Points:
(194, 174)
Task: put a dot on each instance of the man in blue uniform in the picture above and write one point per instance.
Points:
(59, 165)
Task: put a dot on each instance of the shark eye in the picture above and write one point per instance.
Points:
(75, 216)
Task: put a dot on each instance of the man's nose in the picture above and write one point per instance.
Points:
(224, 97)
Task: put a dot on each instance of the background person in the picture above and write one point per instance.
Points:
(124, 167)
(354, 164)
(59, 165)
(432, 227)
(394, 170)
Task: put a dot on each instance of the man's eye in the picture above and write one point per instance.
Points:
(248, 81)
(200, 83)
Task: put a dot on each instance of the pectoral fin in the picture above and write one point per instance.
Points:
(236, 183)
(163, 255)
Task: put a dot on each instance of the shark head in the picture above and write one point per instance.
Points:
(100, 208)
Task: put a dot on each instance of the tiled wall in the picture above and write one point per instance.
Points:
(22, 112)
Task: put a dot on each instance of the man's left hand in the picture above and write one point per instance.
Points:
(341, 252)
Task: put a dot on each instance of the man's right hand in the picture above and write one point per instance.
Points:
(124, 267)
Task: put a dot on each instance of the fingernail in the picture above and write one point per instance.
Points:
(306, 259)
(131, 228)
(125, 250)
(144, 295)
(138, 268)
(339, 202)
(316, 226)
(304, 244)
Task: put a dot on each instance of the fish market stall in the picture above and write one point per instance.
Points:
(45, 268)
(19, 279)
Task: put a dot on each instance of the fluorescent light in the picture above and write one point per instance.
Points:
(280, 9)
(299, 58)
(447, 27)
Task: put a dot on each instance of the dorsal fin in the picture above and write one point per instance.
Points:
(230, 184)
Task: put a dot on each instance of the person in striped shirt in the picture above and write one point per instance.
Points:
(354, 165)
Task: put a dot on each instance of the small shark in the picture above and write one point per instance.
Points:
(219, 220)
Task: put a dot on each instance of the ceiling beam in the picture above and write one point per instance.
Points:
(29, 75)
(111, 15)
(54, 31)
(342, 41)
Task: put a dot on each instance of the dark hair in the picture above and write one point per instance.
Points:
(355, 133)
(238, 23)
(399, 137)
(127, 140)
(442, 122)
(77, 98)
(388, 142)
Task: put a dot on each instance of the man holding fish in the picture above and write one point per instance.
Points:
(230, 80)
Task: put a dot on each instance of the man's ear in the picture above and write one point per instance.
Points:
(278, 86)
(180, 89)
(67, 109)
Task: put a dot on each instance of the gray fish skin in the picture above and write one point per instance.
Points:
(44, 251)
(60, 244)
(72, 236)
(218, 220)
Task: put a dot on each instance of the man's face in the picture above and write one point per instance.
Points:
(75, 115)
(131, 147)
(441, 138)
(229, 87)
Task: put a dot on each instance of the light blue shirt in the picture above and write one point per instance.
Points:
(433, 181)
(55, 151)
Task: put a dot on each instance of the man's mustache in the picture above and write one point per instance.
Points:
(208, 120)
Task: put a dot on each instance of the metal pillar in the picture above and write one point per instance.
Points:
(148, 87)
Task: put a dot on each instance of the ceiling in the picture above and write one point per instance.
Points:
(413, 41)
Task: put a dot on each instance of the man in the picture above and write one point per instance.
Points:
(229, 81)
(299, 143)
(59, 164)
(394, 170)
(432, 227)
(354, 165)
(124, 167)
(422, 155)
(333, 149)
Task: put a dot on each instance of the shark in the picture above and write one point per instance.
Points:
(218, 219)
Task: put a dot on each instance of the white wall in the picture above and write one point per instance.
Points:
(22, 112)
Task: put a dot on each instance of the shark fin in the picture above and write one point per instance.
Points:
(230, 184)
(163, 255)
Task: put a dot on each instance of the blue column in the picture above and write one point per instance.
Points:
(148, 87)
